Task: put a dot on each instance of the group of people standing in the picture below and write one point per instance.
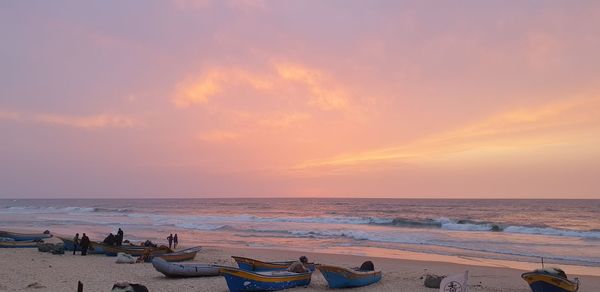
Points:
(83, 244)
(173, 240)
(112, 239)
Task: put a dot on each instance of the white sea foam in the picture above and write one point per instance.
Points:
(448, 224)
(41, 210)
(443, 223)
(552, 231)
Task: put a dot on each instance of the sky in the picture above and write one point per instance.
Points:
(340, 98)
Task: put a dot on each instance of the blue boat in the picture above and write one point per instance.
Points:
(240, 280)
(95, 247)
(339, 277)
(248, 264)
(550, 280)
(25, 236)
(18, 244)
(68, 243)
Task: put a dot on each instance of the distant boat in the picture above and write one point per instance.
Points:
(179, 270)
(179, 256)
(18, 244)
(550, 280)
(240, 280)
(24, 236)
(248, 264)
(340, 277)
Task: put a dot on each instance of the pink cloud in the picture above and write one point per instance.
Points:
(84, 122)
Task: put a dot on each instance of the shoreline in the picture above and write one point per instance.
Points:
(386, 253)
(22, 267)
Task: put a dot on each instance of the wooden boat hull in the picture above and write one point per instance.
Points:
(181, 270)
(180, 256)
(18, 244)
(548, 283)
(135, 251)
(24, 236)
(339, 277)
(240, 280)
(69, 244)
(248, 264)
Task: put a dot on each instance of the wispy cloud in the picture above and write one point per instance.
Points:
(323, 91)
(322, 96)
(510, 131)
(84, 122)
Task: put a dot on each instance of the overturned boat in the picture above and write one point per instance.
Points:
(550, 280)
(180, 270)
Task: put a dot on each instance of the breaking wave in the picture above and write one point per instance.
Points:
(37, 210)
(215, 222)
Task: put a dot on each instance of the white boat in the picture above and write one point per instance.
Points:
(178, 270)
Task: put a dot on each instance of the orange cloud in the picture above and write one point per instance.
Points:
(323, 92)
(322, 96)
(508, 132)
(199, 90)
(86, 122)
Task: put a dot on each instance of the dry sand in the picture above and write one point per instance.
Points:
(20, 268)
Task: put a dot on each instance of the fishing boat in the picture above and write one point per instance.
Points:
(112, 251)
(180, 270)
(550, 280)
(248, 264)
(25, 236)
(97, 247)
(69, 244)
(340, 277)
(18, 244)
(240, 280)
(179, 256)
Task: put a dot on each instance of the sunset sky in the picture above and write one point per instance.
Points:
(461, 99)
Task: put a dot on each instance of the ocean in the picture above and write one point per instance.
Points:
(560, 231)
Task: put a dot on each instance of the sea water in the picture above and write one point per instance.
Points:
(560, 231)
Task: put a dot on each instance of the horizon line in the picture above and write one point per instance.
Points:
(299, 197)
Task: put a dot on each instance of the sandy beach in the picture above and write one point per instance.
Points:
(21, 268)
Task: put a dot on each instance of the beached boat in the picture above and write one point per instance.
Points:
(179, 270)
(24, 236)
(18, 244)
(339, 277)
(248, 264)
(240, 280)
(69, 245)
(112, 251)
(550, 280)
(179, 256)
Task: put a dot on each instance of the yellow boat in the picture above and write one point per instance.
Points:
(550, 280)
